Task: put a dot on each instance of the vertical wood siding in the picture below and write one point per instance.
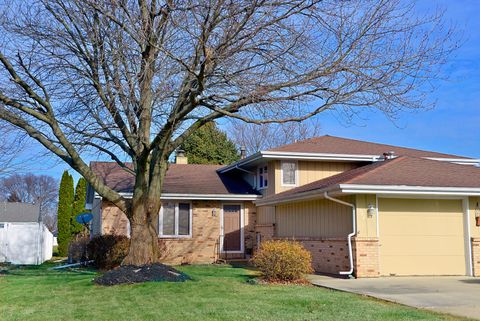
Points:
(316, 219)
(266, 215)
(309, 171)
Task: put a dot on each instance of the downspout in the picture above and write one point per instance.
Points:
(354, 225)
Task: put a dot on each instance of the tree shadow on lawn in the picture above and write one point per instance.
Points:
(44, 270)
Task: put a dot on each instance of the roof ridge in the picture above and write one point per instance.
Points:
(390, 145)
(314, 141)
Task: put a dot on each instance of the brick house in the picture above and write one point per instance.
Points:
(363, 208)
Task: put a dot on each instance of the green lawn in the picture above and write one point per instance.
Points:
(215, 293)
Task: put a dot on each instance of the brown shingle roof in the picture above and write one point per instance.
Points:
(180, 179)
(337, 145)
(400, 171)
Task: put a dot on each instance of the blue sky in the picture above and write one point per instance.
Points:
(452, 127)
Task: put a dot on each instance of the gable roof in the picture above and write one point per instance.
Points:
(337, 145)
(401, 173)
(331, 148)
(179, 179)
(19, 212)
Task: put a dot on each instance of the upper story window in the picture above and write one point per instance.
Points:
(262, 177)
(289, 173)
(175, 220)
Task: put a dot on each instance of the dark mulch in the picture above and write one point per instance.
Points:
(128, 274)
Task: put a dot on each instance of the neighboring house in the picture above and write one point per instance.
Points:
(24, 239)
(367, 208)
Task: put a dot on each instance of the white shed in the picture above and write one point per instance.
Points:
(24, 239)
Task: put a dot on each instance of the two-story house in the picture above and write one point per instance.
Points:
(359, 207)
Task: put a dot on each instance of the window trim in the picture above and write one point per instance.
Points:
(160, 221)
(296, 173)
(263, 166)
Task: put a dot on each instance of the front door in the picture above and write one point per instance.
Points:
(232, 228)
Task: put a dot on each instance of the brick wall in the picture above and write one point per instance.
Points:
(476, 256)
(366, 257)
(203, 246)
(329, 255)
(113, 220)
(266, 231)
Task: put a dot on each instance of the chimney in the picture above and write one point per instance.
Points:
(243, 152)
(180, 157)
(389, 155)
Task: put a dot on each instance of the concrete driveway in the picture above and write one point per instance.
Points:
(454, 295)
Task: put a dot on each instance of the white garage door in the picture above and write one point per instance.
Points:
(421, 237)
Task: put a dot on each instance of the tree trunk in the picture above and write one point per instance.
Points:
(144, 248)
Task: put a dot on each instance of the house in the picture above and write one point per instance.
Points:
(359, 207)
(24, 239)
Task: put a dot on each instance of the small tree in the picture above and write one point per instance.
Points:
(210, 145)
(78, 205)
(65, 202)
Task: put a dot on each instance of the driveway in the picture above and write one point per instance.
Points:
(454, 295)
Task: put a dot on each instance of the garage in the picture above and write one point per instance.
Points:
(421, 237)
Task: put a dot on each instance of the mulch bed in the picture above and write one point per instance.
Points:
(129, 274)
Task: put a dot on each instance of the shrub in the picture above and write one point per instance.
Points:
(281, 260)
(77, 247)
(108, 251)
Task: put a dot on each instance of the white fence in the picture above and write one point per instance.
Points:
(25, 243)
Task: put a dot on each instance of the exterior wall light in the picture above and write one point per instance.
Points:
(370, 210)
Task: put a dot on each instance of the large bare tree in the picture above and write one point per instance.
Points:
(131, 80)
(257, 137)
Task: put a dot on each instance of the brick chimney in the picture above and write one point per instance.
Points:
(180, 157)
(243, 152)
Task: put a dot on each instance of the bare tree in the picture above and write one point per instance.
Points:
(131, 80)
(11, 146)
(35, 189)
(254, 137)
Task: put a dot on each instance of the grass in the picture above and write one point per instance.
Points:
(215, 293)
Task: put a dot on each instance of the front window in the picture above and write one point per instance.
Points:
(289, 173)
(175, 220)
(262, 177)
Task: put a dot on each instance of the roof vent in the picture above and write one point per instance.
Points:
(389, 155)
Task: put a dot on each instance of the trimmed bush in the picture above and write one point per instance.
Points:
(77, 248)
(284, 261)
(108, 251)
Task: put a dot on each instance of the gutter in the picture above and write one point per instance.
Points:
(350, 251)
(406, 189)
(220, 197)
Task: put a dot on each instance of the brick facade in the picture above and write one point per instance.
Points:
(329, 255)
(476, 256)
(203, 247)
(266, 231)
(113, 220)
(365, 257)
